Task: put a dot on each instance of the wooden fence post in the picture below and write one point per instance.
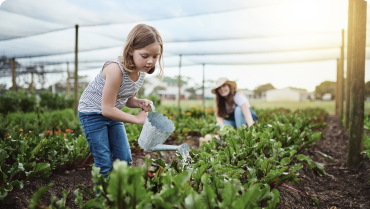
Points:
(356, 124)
(76, 73)
(179, 85)
(341, 81)
(337, 89)
(14, 87)
(203, 94)
(349, 61)
(68, 80)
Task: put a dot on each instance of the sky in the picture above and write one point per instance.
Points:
(282, 42)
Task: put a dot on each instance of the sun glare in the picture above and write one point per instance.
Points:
(1, 1)
(306, 11)
(312, 15)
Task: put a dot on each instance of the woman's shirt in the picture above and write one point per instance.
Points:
(91, 98)
(239, 100)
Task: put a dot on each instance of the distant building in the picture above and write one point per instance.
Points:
(326, 97)
(168, 88)
(286, 94)
(248, 93)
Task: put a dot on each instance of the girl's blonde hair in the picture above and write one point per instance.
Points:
(140, 37)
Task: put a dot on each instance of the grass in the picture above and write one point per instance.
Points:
(329, 106)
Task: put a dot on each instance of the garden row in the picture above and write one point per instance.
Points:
(37, 144)
(238, 169)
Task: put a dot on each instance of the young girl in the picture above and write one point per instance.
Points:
(114, 87)
(232, 107)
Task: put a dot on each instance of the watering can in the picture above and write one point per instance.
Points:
(157, 128)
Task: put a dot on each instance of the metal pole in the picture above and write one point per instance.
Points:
(68, 80)
(349, 60)
(179, 85)
(13, 74)
(203, 97)
(76, 72)
(356, 124)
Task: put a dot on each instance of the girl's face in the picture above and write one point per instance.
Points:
(146, 58)
(224, 90)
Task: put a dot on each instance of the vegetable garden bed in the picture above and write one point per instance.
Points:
(251, 175)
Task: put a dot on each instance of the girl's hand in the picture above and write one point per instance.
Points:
(144, 104)
(141, 117)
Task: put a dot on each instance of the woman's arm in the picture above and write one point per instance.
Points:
(113, 80)
(220, 121)
(247, 114)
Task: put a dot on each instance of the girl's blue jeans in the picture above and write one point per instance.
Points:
(239, 118)
(105, 137)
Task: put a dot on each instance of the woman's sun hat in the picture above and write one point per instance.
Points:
(221, 81)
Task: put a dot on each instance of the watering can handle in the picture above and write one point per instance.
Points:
(152, 106)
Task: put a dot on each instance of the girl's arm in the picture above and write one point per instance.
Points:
(113, 79)
(247, 114)
(134, 102)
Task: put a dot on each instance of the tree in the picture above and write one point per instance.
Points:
(259, 89)
(192, 91)
(326, 87)
(158, 88)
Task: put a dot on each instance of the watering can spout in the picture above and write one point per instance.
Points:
(182, 149)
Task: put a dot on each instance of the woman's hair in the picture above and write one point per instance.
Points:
(140, 37)
(221, 102)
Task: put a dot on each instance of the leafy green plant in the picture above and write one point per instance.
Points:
(24, 158)
(17, 101)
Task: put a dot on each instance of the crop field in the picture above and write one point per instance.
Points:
(328, 106)
(289, 159)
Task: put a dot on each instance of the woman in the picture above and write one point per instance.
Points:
(232, 107)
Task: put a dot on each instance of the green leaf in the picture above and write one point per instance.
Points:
(96, 176)
(296, 168)
(320, 168)
(330, 158)
(194, 201)
(181, 179)
(16, 168)
(35, 197)
(366, 152)
(160, 162)
(87, 191)
(79, 198)
(229, 195)
(285, 161)
(209, 196)
(315, 137)
(275, 195)
(316, 201)
(3, 155)
(3, 193)
(62, 202)
(118, 183)
(41, 170)
(247, 200)
(136, 188)
(302, 157)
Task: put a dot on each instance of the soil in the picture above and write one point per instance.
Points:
(344, 188)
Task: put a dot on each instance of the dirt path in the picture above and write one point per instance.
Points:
(348, 188)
